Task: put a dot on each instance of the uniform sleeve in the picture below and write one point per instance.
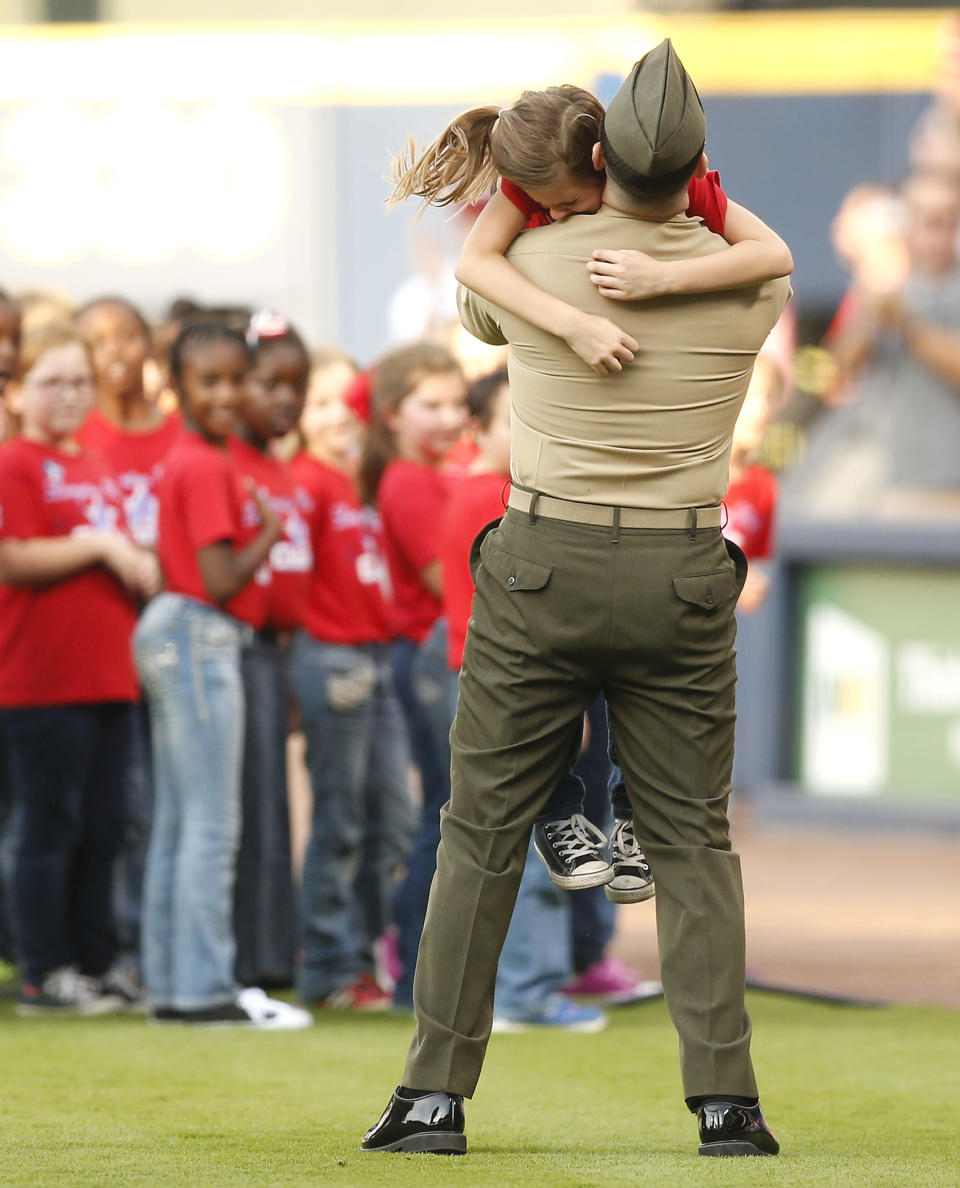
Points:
(21, 512)
(210, 511)
(708, 201)
(480, 317)
(413, 513)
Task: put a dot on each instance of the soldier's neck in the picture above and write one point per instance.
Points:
(660, 210)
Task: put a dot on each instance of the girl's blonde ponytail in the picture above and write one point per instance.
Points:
(457, 167)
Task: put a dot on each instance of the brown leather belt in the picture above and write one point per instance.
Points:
(603, 515)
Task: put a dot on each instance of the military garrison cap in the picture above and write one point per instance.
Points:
(655, 122)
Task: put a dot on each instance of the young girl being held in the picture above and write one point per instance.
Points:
(72, 580)
(419, 410)
(214, 534)
(538, 153)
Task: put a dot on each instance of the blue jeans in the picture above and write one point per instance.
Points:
(263, 901)
(535, 962)
(423, 681)
(362, 813)
(188, 655)
(68, 770)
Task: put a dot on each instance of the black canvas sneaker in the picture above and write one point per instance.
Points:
(632, 880)
(570, 850)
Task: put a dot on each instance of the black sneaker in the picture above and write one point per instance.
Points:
(570, 850)
(65, 991)
(632, 880)
(122, 984)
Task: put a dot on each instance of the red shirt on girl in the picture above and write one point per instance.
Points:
(135, 459)
(412, 502)
(476, 500)
(751, 502)
(349, 588)
(287, 571)
(66, 641)
(202, 500)
(704, 194)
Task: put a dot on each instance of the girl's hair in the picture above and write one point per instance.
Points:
(45, 338)
(526, 143)
(120, 303)
(481, 396)
(267, 329)
(201, 334)
(328, 354)
(394, 378)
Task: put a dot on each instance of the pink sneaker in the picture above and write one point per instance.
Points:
(612, 982)
(389, 965)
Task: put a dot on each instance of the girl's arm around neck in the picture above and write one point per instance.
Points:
(484, 268)
(756, 254)
(223, 571)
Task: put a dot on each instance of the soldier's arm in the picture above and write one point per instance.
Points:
(480, 317)
(756, 254)
(484, 268)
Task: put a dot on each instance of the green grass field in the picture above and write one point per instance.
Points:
(856, 1097)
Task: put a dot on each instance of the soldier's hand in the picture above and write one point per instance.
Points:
(600, 344)
(627, 275)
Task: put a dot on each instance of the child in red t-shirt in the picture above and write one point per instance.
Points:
(536, 961)
(541, 158)
(751, 498)
(125, 427)
(263, 907)
(215, 532)
(357, 752)
(418, 398)
(72, 579)
(9, 356)
(127, 430)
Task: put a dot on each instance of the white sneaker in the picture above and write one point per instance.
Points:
(270, 1014)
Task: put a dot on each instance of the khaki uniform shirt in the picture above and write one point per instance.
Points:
(658, 434)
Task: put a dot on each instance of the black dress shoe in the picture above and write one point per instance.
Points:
(431, 1123)
(730, 1129)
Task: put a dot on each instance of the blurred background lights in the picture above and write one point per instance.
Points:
(138, 182)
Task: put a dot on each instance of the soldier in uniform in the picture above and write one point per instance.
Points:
(608, 574)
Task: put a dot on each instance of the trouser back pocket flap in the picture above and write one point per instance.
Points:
(515, 573)
(707, 590)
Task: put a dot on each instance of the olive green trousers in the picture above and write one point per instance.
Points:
(563, 612)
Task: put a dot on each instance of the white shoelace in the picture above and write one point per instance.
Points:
(625, 846)
(574, 838)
